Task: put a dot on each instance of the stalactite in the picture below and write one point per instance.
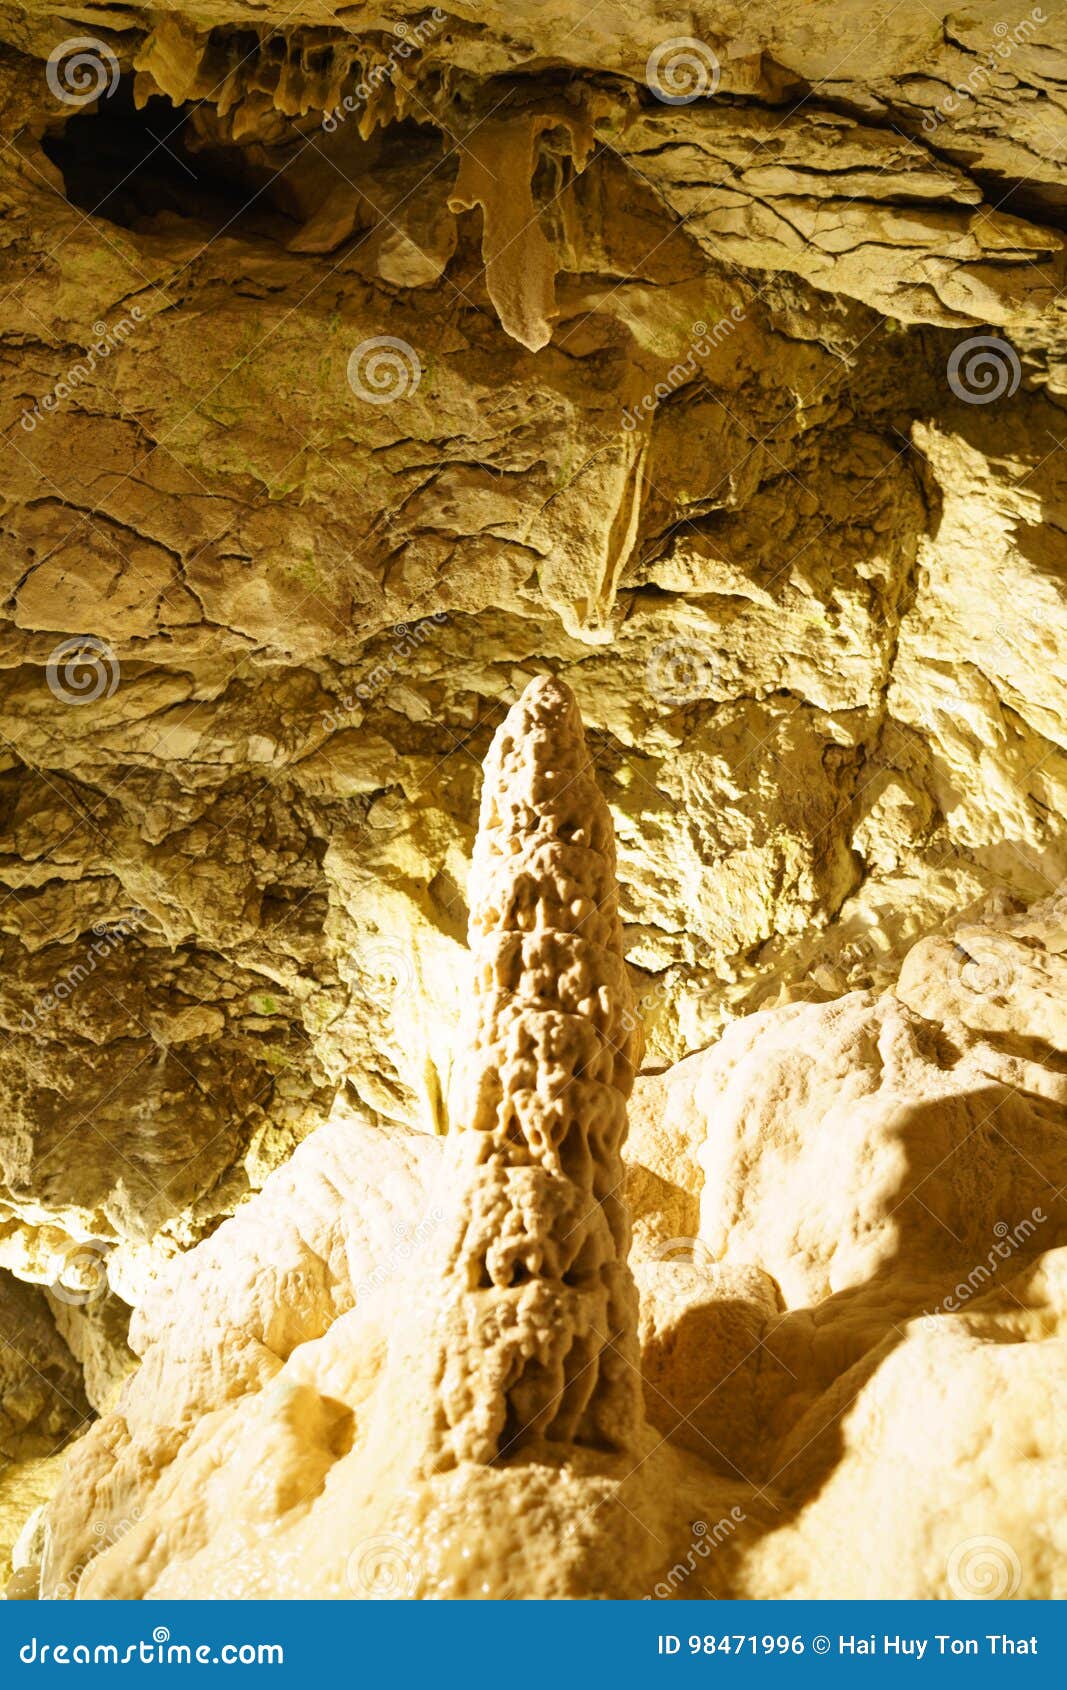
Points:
(496, 173)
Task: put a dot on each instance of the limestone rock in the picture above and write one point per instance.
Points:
(880, 1224)
(42, 1407)
(223, 1324)
(747, 428)
(41, 1396)
(896, 1174)
(539, 1342)
(474, 1425)
(969, 1509)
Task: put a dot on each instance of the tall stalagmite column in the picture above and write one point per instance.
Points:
(539, 1310)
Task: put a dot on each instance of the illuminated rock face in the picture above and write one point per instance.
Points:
(870, 1314)
(742, 416)
(363, 1385)
(686, 414)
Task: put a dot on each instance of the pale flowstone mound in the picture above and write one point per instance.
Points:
(329, 1235)
(855, 1142)
(937, 1467)
(899, 1174)
(1006, 981)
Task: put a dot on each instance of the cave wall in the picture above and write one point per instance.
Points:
(726, 381)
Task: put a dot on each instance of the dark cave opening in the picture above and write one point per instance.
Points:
(131, 165)
(143, 168)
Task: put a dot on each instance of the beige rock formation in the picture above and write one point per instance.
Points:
(539, 1343)
(432, 352)
(881, 1246)
(42, 1405)
(464, 1418)
(336, 1399)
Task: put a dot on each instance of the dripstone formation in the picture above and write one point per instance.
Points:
(714, 361)
(540, 1340)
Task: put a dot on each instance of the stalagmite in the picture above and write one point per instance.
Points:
(540, 1331)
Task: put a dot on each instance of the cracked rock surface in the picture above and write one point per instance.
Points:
(743, 415)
